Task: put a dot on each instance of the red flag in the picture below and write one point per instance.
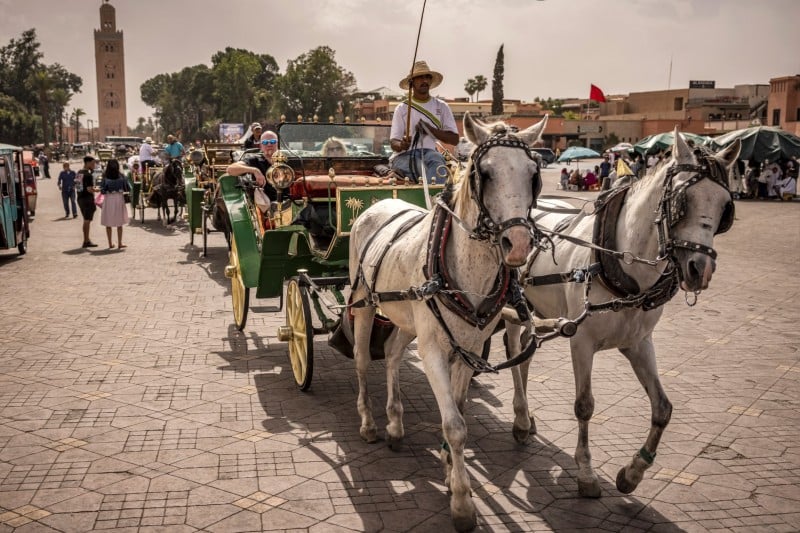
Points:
(596, 94)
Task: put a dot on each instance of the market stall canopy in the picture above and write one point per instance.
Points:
(761, 143)
(577, 152)
(664, 141)
(621, 147)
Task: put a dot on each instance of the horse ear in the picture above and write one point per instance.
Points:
(681, 151)
(533, 133)
(729, 155)
(475, 131)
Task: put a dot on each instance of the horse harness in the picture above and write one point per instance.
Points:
(439, 285)
(672, 209)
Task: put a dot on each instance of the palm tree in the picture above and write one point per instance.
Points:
(78, 113)
(60, 98)
(42, 83)
(480, 84)
(470, 88)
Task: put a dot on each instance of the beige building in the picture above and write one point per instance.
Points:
(783, 108)
(109, 57)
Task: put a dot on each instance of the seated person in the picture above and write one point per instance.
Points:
(334, 147)
(576, 181)
(590, 181)
(257, 164)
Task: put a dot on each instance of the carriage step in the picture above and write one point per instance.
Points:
(265, 308)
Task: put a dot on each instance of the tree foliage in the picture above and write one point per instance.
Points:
(40, 90)
(314, 84)
(475, 86)
(497, 83)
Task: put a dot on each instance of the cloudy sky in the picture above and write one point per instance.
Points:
(553, 48)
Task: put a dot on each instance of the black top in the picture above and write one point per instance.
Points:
(85, 180)
(260, 162)
(251, 142)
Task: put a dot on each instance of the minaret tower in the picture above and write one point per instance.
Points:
(109, 58)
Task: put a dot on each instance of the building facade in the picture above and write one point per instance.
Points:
(109, 57)
(783, 108)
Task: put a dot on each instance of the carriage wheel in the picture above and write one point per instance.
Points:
(301, 345)
(239, 293)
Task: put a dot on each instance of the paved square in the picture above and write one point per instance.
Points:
(128, 402)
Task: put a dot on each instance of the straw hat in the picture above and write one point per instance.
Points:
(148, 140)
(420, 69)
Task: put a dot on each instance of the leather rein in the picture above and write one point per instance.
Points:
(672, 208)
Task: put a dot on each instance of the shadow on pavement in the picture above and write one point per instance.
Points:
(404, 490)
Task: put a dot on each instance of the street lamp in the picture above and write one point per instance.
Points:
(90, 122)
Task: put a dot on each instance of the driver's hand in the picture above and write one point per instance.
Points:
(405, 143)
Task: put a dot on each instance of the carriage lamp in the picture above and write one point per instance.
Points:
(280, 175)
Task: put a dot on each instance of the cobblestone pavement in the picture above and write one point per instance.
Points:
(128, 402)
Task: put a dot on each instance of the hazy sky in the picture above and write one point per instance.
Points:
(552, 48)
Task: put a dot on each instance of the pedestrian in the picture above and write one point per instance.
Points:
(44, 165)
(84, 184)
(66, 184)
(114, 213)
(255, 137)
(564, 179)
(605, 170)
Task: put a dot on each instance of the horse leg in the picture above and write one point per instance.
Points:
(394, 348)
(362, 329)
(582, 359)
(454, 428)
(642, 358)
(524, 423)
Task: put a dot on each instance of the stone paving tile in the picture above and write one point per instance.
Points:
(140, 408)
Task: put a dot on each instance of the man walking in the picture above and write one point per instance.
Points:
(431, 118)
(66, 184)
(85, 186)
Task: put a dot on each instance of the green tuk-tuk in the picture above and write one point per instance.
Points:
(14, 222)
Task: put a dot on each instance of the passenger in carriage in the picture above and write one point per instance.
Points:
(438, 122)
(333, 147)
(258, 164)
(252, 141)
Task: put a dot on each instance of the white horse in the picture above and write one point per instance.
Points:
(664, 223)
(442, 276)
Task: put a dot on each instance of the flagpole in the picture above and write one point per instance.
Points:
(669, 78)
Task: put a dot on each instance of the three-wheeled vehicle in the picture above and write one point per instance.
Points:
(14, 221)
(304, 236)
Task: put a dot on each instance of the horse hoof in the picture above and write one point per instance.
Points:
(465, 523)
(589, 489)
(394, 444)
(370, 435)
(623, 485)
(520, 434)
(532, 431)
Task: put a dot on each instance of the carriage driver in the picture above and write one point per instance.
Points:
(258, 164)
(437, 119)
(174, 148)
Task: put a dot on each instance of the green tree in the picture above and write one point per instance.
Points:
(16, 122)
(77, 114)
(42, 84)
(497, 83)
(60, 99)
(242, 83)
(18, 60)
(480, 85)
(314, 84)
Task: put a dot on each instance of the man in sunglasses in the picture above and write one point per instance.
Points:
(258, 164)
(431, 120)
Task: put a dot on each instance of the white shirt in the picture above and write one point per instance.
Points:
(146, 152)
(437, 108)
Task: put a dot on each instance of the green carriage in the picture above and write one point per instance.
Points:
(296, 249)
(14, 222)
(206, 166)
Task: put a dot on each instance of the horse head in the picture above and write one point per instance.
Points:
(696, 206)
(503, 180)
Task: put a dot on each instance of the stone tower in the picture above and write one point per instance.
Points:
(109, 58)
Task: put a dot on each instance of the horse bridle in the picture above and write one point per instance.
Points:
(673, 206)
(486, 228)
